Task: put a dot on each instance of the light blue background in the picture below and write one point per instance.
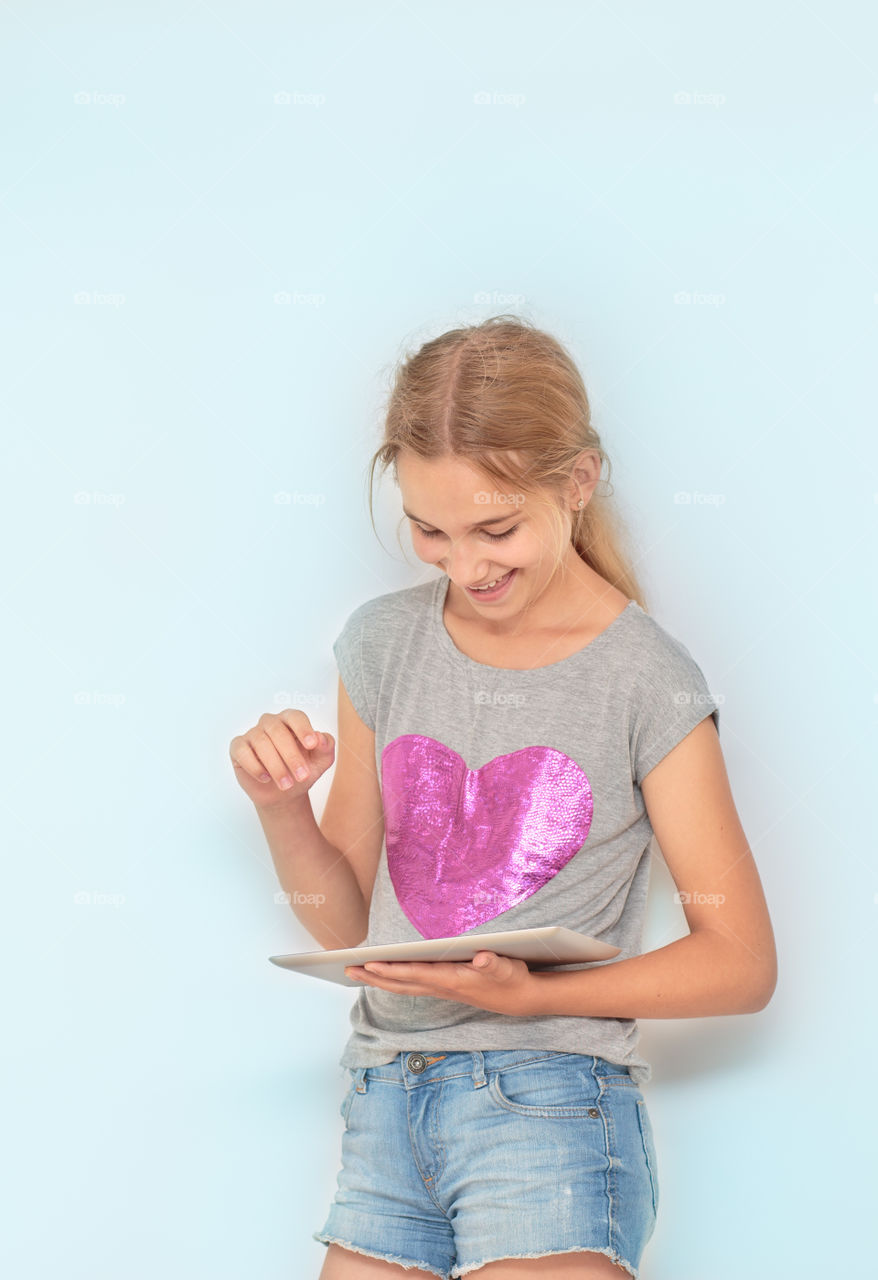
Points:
(206, 288)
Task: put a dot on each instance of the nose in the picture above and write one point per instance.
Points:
(463, 567)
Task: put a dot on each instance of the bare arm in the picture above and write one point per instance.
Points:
(329, 869)
(727, 963)
(323, 890)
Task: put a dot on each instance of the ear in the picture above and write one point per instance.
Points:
(586, 474)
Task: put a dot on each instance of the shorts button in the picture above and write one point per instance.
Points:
(416, 1062)
(593, 1111)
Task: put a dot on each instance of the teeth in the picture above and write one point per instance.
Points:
(487, 586)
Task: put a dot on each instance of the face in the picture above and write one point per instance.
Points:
(475, 533)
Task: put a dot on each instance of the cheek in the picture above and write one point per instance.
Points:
(428, 551)
(527, 554)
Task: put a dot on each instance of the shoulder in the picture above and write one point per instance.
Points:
(660, 675)
(669, 694)
(374, 640)
(651, 644)
(393, 612)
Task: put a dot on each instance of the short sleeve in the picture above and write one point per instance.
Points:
(348, 650)
(671, 698)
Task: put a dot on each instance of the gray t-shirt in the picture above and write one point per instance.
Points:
(512, 801)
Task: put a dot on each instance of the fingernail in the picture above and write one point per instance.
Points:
(265, 777)
(310, 740)
(301, 772)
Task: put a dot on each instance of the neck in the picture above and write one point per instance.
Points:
(574, 595)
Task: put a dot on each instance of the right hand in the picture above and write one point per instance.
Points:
(273, 750)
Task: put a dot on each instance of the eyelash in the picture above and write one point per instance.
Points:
(495, 537)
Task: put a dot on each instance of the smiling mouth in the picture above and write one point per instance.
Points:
(495, 582)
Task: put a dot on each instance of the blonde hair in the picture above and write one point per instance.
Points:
(507, 398)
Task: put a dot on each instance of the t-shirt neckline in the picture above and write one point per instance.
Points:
(440, 593)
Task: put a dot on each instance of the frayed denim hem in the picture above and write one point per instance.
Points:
(548, 1253)
(406, 1263)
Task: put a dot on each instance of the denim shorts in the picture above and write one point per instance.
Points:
(452, 1160)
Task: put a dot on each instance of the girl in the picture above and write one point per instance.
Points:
(512, 732)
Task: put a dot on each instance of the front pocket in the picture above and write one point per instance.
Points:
(547, 1088)
(345, 1109)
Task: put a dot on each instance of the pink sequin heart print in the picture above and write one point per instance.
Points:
(464, 845)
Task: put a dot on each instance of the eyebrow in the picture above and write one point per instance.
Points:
(479, 523)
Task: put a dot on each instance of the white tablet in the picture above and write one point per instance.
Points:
(550, 945)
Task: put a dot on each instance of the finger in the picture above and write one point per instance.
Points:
(422, 970)
(428, 978)
(422, 975)
(281, 765)
(298, 760)
(302, 727)
(296, 722)
(246, 759)
(289, 749)
(394, 984)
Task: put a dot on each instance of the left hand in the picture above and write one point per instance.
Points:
(488, 981)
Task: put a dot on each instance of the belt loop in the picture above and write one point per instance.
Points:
(360, 1076)
(478, 1069)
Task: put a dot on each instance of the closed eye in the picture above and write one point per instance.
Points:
(494, 537)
